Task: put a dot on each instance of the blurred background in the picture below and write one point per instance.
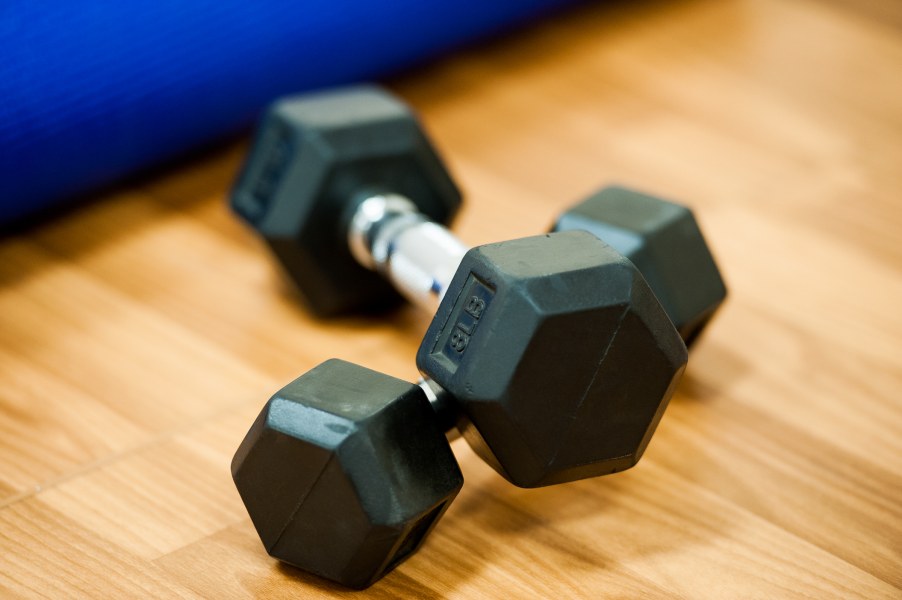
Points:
(95, 91)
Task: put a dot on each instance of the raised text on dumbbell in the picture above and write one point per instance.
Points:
(465, 318)
(266, 176)
(465, 327)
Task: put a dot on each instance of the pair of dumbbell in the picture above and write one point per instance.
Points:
(553, 355)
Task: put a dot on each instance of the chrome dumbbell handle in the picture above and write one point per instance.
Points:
(446, 409)
(389, 235)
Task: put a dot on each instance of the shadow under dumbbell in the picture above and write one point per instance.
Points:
(721, 370)
(396, 584)
(563, 522)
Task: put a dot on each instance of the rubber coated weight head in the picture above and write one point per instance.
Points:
(315, 158)
(345, 472)
(664, 241)
(559, 355)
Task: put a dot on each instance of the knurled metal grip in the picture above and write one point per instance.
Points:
(389, 235)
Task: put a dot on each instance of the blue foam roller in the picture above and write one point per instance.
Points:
(91, 91)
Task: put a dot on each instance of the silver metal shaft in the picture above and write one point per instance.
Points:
(444, 406)
(389, 235)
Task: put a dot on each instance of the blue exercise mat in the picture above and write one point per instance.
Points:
(93, 90)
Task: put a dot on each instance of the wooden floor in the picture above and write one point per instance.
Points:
(140, 335)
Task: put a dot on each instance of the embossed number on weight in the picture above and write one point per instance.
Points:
(475, 306)
(459, 340)
(465, 326)
(469, 309)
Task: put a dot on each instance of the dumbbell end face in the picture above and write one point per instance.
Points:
(315, 157)
(664, 241)
(344, 473)
(559, 354)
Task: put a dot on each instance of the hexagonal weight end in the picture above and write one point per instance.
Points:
(314, 159)
(664, 241)
(559, 353)
(344, 473)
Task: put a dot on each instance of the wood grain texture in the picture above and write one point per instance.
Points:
(141, 334)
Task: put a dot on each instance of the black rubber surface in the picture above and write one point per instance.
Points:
(345, 472)
(664, 241)
(559, 355)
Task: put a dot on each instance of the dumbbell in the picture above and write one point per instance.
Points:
(351, 197)
(559, 358)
